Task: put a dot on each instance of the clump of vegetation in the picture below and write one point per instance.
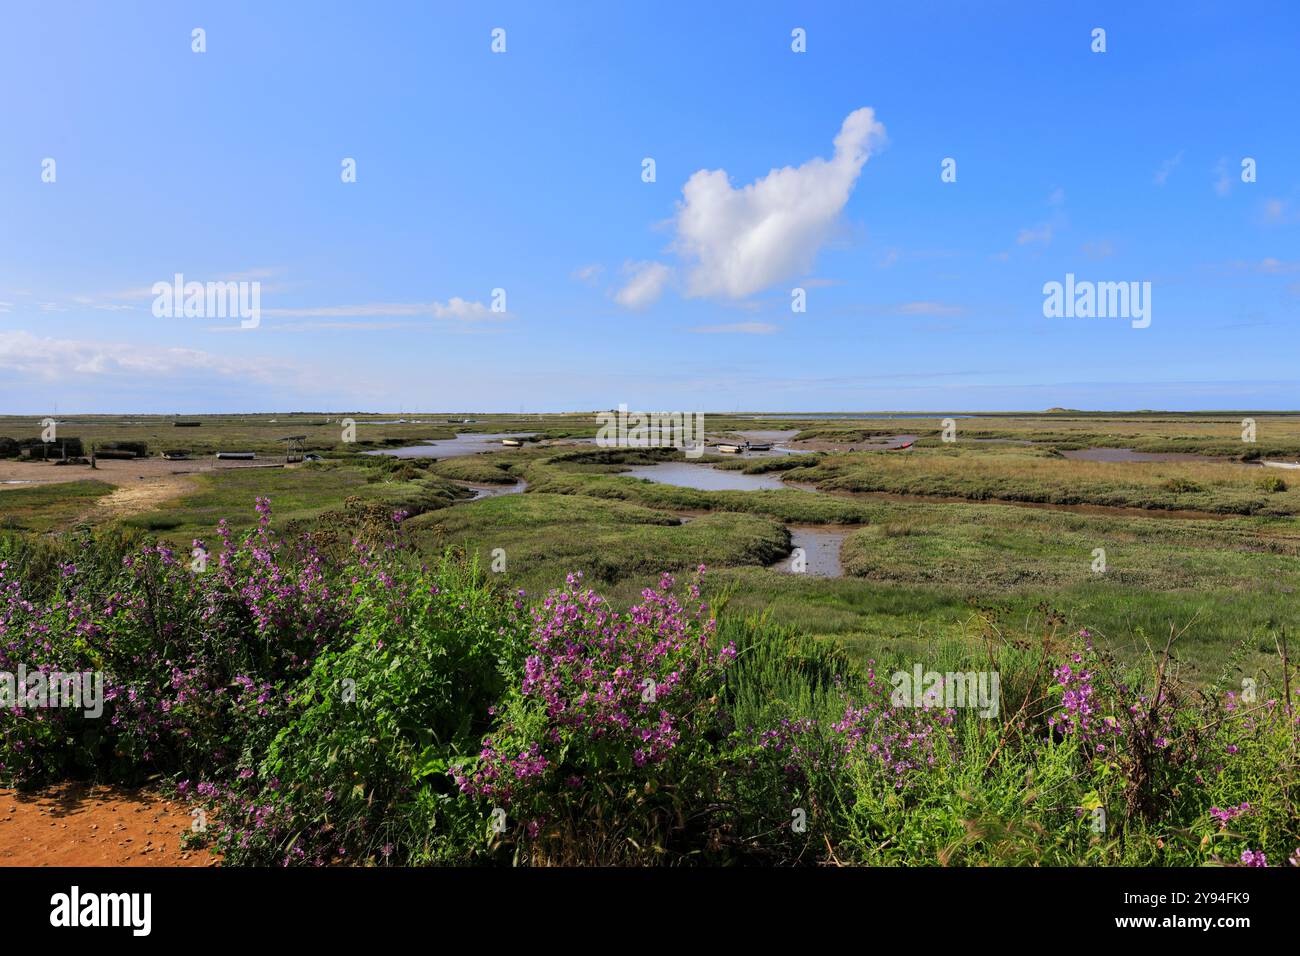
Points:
(1180, 486)
(334, 697)
(1273, 484)
(616, 720)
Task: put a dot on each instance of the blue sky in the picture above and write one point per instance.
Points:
(522, 171)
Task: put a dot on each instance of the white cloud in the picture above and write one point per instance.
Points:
(739, 241)
(737, 328)
(645, 286)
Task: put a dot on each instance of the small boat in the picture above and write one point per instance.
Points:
(906, 444)
(512, 442)
(729, 448)
(1282, 464)
(237, 455)
(758, 445)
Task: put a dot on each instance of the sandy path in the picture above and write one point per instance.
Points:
(140, 485)
(75, 824)
(143, 496)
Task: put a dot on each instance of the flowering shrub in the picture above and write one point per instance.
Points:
(893, 745)
(1152, 737)
(193, 662)
(358, 772)
(333, 699)
(834, 772)
(608, 739)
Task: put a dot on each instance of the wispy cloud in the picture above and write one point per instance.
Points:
(50, 359)
(646, 284)
(1277, 267)
(1168, 166)
(589, 274)
(120, 300)
(1041, 233)
(1278, 212)
(1222, 181)
(1044, 232)
(929, 308)
(455, 308)
(737, 328)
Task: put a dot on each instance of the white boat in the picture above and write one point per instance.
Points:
(1282, 464)
(730, 449)
(512, 442)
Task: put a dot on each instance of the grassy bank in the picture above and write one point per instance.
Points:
(1014, 473)
(304, 495)
(42, 508)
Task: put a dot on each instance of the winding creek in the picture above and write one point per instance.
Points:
(821, 551)
(492, 491)
(820, 546)
(466, 443)
(704, 477)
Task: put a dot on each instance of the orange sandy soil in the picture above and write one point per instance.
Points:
(77, 824)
